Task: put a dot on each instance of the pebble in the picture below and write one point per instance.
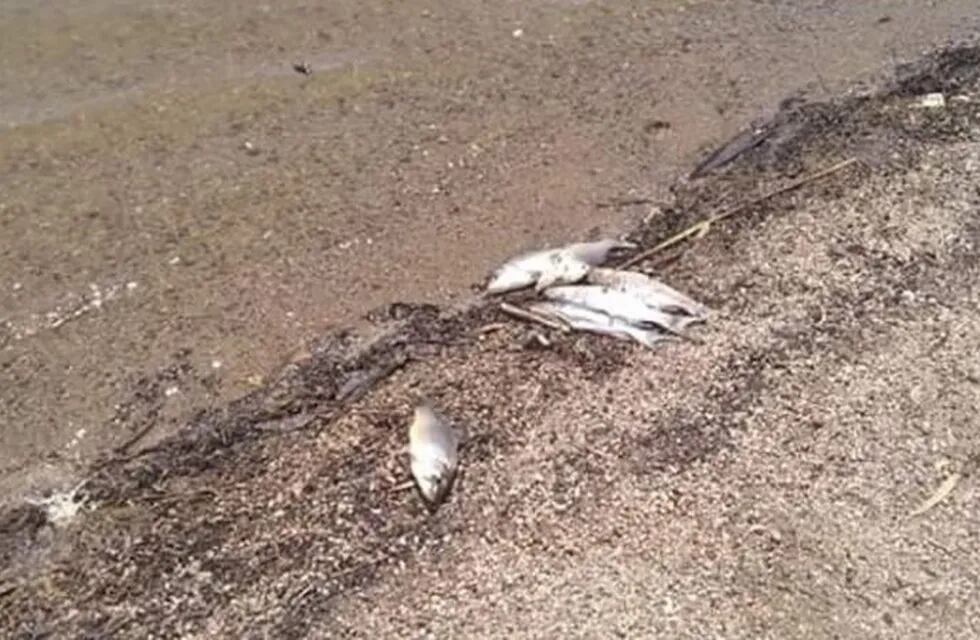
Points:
(933, 101)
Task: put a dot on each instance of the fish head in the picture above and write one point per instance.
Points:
(597, 252)
(433, 476)
(510, 277)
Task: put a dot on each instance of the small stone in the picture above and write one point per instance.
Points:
(518, 33)
(933, 101)
(171, 391)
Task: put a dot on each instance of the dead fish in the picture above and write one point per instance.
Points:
(433, 449)
(649, 290)
(563, 265)
(620, 304)
(585, 319)
(526, 270)
(563, 268)
(596, 253)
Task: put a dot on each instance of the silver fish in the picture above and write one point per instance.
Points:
(596, 253)
(563, 265)
(585, 319)
(650, 291)
(620, 304)
(433, 448)
(564, 268)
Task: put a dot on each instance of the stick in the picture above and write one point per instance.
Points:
(524, 314)
(404, 486)
(136, 437)
(7, 589)
(490, 328)
(623, 202)
(704, 226)
(939, 495)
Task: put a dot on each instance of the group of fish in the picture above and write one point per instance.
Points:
(578, 294)
(582, 295)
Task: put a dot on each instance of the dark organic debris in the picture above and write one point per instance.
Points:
(18, 527)
(303, 68)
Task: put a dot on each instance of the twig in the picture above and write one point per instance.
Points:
(7, 589)
(354, 392)
(364, 565)
(940, 494)
(663, 262)
(404, 486)
(300, 594)
(129, 457)
(136, 437)
(168, 498)
(524, 314)
(792, 186)
(490, 328)
(704, 226)
(623, 202)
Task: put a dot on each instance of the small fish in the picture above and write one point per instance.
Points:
(620, 304)
(650, 291)
(433, 449)
(541, 268)
(563, 265)
(563, 268)
(585, 319)
(520, 272)
(596, 253)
